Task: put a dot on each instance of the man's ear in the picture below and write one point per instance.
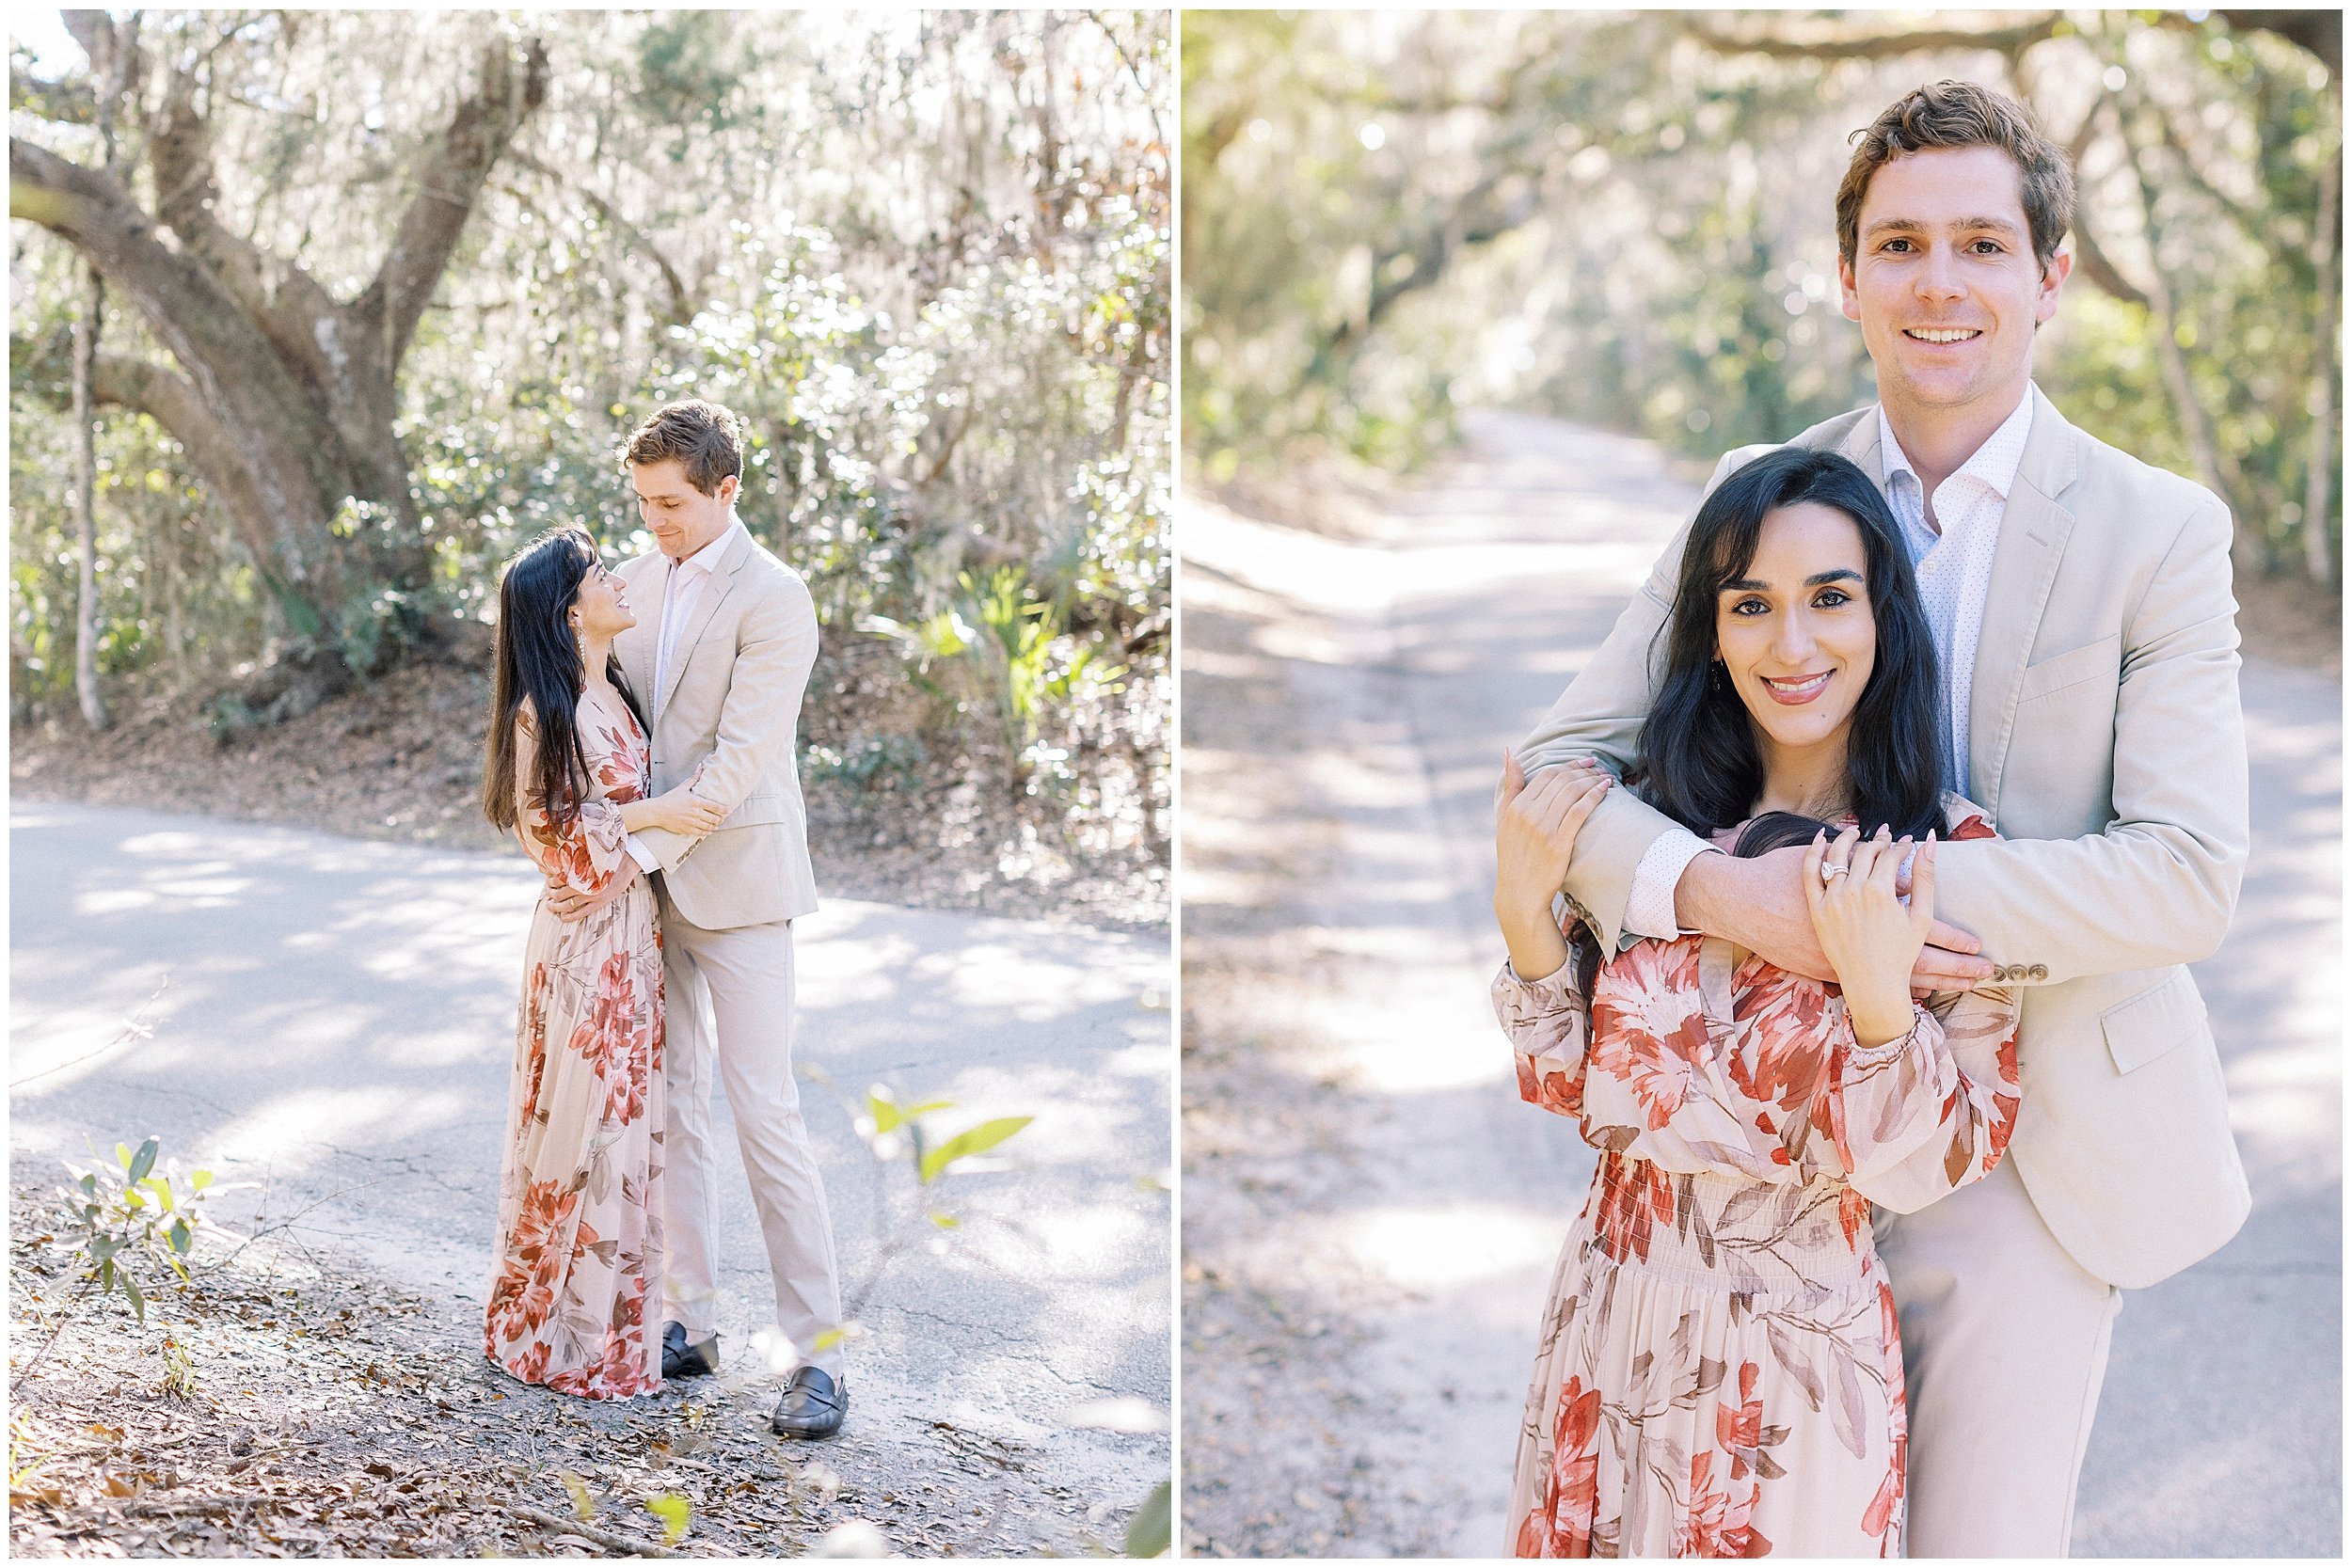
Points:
(1849, 302)
(728, 487)
(2045, 301)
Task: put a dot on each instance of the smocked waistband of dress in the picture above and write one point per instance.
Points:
(1719, 1232)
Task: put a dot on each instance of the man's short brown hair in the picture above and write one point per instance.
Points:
(704, 436)
(1962, 113)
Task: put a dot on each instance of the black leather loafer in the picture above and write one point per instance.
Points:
(813, 1406)
(681, 1359)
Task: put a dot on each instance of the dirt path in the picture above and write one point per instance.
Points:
(1369, 1214)
(337, 1029)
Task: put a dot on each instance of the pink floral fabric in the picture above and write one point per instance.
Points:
(580, 1198)
(1719, 1372)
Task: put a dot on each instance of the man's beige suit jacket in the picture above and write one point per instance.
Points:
(733, 700)
(2105, 739)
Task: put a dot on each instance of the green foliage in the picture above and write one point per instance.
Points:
(583, 1500)
(971, 1141)
(886, 1120)
(1610, 217)
(1151, 1528)
(893, 758)
(674, 1512)
(927, 258)
(179, 1369)
(128, 1221)
(24, 1460)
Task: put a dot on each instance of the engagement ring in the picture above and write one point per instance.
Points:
(1831, 873)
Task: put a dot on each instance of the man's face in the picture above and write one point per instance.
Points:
(1944, 279)
(681, 517)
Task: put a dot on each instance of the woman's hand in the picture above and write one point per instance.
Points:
(680, 811)
(1872, 940)
(1536, 829)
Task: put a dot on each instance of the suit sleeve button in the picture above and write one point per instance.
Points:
(2039, 972)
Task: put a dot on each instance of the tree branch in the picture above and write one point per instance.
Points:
(228, 359)
(448, 186)
(683, 307)
(1844, 44)
(2252, 221)
(1135, 72)
(2321, 32)
(172, 401)
(63, 101)
(287, 306)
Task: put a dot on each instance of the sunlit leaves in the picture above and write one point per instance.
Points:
(128, 1218)
(973, 1140)
(674, 1512)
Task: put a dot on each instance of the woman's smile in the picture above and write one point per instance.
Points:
(1797, 690)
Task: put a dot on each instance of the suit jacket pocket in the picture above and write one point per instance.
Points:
(2072, 668)
(757, 809)
(2142, 1028)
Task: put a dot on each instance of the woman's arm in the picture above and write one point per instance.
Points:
(1550, 1026)
(1536, 829)
(678, 811)
(1917, 1104)
(581, 854)
(1926, 1114)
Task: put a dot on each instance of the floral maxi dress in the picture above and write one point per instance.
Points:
(1720, 1372)
(580, 1197)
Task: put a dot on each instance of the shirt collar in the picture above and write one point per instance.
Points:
(706, 558)
(1992, 464)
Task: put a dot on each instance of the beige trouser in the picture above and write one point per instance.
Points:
(741, 981)
(2005, 1344)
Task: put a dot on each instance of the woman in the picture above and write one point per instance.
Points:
(579, 1199)
(1720, 1372)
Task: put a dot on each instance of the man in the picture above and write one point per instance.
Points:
(2087, 642)
(720, 656)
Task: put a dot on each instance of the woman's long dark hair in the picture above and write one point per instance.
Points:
(1700, 762)
(538, 658)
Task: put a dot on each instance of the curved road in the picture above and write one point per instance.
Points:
(339, 1019)
(1371, 1214)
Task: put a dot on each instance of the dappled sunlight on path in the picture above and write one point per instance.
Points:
(1371, 1214)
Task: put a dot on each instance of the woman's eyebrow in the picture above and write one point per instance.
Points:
(1756, 585)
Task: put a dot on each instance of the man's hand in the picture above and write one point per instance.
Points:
(571, 906)
(1760, 904)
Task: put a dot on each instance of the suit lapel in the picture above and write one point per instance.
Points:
(635, 646)
(1860, 446)
(2034, 531)
(706, 605)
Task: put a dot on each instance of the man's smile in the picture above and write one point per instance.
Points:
(1942, 334)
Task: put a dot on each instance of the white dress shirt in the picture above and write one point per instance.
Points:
(682, 588)
(1952, 559)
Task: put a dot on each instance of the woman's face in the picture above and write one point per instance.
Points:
(1795, 631)
(601, 607)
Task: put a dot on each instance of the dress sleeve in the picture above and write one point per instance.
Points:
(1550, 1025)
(581, 854)
(1919, 1116)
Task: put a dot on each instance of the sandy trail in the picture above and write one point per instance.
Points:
(1369, 1214)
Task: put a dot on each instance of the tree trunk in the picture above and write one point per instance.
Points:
(2249, 545)
(284, 397)
(85, 327)
(2318, 486)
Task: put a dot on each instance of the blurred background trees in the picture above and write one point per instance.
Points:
(1626, 219)
(384, 290)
